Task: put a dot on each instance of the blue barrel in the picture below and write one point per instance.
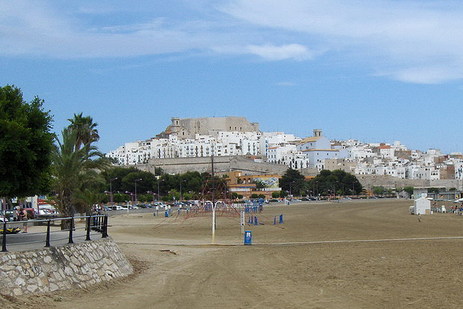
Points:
(248, 237)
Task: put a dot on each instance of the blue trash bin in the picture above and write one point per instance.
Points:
(248, 237)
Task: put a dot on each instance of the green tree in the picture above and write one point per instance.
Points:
(26, 143)
(293, 182)
(87, 197)
(85, 128)
(336, 182)
(409, 190)
(74, 171)
(378, 190)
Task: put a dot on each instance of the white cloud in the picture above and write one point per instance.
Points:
(425, 74)
(414, 41)
(283, 52)
(39, 29)
(410, 40)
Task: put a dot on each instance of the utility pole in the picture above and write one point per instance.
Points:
(213, 200)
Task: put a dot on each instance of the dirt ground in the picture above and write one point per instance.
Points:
(352, 254)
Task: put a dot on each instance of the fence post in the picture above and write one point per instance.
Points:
(89, 219)
(105, 227)
(70, 230)
(47, 241)
(4, 238)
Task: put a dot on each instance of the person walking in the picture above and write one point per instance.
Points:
(22, 216)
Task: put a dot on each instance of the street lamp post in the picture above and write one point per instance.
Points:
(135, 181)
(181, 181)
(111, 190)
(158, 178)
(151, 192)
(131, 199)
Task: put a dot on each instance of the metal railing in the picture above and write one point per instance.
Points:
(46, 231)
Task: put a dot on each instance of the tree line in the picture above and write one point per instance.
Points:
(326, 183)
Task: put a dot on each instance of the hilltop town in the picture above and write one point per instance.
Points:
(191, 139)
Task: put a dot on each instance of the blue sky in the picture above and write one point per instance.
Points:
(377, 71)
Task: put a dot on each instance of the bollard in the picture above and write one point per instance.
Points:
(47, 240)
(104, 234)
(89, 219)
(4, 238)
(71, 228)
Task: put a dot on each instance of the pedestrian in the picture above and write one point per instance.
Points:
(22, 216)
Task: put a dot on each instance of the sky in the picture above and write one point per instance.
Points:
(375, 71)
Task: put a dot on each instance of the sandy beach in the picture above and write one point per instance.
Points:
(351, 254)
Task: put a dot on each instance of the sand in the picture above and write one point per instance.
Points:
(352, 254)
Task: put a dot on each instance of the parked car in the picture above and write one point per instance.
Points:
(10, 215)
(46, 211)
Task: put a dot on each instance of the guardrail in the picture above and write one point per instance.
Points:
(97, 223)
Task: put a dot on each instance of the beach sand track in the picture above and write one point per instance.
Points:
(288, 266)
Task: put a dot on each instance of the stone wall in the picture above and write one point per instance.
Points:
(61, 268)
(369, 181)
(221, 164)
(189, 127)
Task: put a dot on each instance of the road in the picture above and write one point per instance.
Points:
(35, 238)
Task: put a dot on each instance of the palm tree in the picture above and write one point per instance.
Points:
(87, 132)
(86, 198)
(73, 167)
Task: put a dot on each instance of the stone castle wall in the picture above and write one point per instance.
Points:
(188, 127)
(221, 164)
(61, 268)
